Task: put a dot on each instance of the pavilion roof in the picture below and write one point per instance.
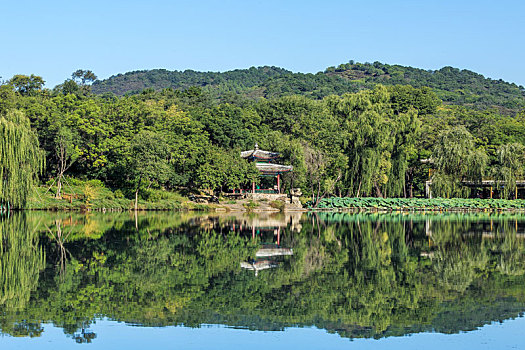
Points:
(260, 154)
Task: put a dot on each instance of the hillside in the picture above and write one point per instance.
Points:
(157, 79)
(452, 85)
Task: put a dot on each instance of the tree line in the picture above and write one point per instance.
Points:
(368, 143)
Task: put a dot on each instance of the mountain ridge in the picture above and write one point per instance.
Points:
(452, 85)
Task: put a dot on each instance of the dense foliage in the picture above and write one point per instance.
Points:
(380, 142)
(21, 160)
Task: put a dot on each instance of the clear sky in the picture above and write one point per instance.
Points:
(54, 38)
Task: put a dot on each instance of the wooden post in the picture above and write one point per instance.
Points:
(253, 187)
(279, 235)
(490, 192)
(278, 184)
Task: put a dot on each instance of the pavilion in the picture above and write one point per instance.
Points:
(265, 163)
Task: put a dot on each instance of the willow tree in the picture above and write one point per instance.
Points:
(377, 141)
(510, 167)
(406, 127)
(456, 160)
(21, 160)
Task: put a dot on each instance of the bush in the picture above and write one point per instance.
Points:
(95, 183)
(277, 205)
(250, 205)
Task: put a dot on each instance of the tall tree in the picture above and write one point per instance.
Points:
(84, 77)
(456, 159)
(67, 152)
(367, 120)
(27, 85)
(510, 167)
(21, 160)
(149, 162)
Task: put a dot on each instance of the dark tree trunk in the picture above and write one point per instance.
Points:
(378, 190)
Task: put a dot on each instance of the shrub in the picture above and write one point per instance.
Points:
(250, 205)
(277, 205)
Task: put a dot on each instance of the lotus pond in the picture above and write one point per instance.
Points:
(420, 203)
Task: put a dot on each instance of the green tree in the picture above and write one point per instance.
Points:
(456, 159)
(7, 98)
(369, 125)
(149, 160)
(21, 160)
(66, 152)
(27, 85)
(84, 77)
(510, 167)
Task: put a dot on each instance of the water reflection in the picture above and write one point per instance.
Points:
(357, 275)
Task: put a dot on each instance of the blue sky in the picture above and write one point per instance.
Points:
(54, 38)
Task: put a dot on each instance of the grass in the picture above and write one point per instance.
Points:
(93, 195)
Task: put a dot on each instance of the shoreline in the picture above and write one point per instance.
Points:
(228, 209)
(178, 203)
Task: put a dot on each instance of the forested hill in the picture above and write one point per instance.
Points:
(452, 85)
(157, 79)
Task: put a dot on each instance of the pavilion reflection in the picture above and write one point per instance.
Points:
(269, 229)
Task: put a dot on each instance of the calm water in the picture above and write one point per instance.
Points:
(315, 281)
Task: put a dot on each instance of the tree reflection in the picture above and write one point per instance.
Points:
(21, 260)
(359, 275)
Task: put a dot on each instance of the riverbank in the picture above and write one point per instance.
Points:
(93, 196)
(100, 198)
(174, 202)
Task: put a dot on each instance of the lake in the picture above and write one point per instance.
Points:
(280, 281)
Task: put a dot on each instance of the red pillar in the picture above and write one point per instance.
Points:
(279, 236)
(253, 187)
(278, 183)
